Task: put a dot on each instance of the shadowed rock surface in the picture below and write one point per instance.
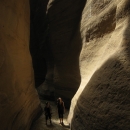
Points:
(38, 39)
(63, 74)
(19, 103)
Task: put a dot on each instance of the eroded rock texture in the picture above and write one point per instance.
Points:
(102, 101)
(19, 103)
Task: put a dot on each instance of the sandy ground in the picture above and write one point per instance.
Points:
(41, 123)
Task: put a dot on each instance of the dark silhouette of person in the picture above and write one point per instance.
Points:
(61, 109)
(47, 110)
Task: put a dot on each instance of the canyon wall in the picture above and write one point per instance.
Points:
(89, 47)
(19, 102)
(63, 74)
(83, 37)
(103, 99)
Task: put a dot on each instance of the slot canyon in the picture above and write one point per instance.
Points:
(78, 50)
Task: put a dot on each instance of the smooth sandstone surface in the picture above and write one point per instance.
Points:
(103, 99)
(19, 102)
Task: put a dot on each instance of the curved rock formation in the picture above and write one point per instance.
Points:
(19, 102)
(103, 98)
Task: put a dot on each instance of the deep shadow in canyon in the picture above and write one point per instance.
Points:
(39, 31)
(55, 46)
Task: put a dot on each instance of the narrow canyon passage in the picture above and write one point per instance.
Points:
(40, 124)
(78, 50)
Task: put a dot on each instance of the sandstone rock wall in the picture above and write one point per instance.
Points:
(19, 102)
(103, 99)
(63, 75)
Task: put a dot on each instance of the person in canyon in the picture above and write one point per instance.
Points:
(61, 109)
(48, 112)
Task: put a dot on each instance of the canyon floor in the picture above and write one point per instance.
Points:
(40, 124)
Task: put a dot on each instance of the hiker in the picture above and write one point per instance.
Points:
(47, 110)
(61, 109)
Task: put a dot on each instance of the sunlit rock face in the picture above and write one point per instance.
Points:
(102, 101)
(19, 103)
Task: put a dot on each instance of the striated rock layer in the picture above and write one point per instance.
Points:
(102, 101)
(19, 103)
